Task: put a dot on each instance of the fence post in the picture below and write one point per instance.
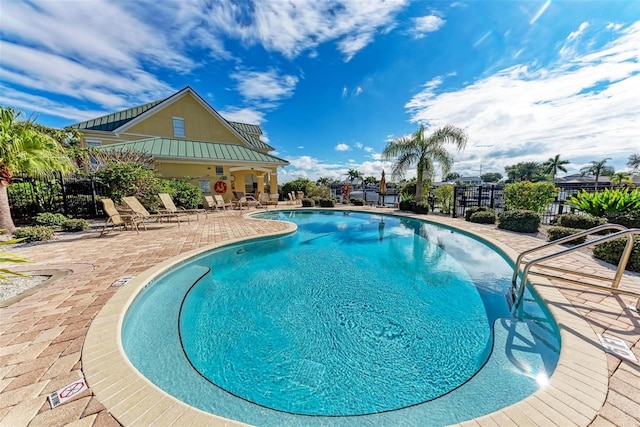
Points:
(455, 198)
(65, 202)
(491, 203)
(93, 197)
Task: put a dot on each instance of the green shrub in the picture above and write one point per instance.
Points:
(75, 225)
(628, 219)
(308, 203)
(519, 220)
(132, 179)
(407, 205)
(470, 211)
(444, 198)
(47, 219)
(607, 201)
(583, 222)
(420, 208)
(483, 217)
(611, 252)
(184, 195)
(558, 232)
(529, 196)
(34, 233)
(357, 202)
(327, 203)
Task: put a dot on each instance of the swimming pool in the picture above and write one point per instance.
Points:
(386, 303)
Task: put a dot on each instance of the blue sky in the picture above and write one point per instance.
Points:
(330, 82)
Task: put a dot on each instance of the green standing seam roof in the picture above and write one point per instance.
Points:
(113, 121)
(196, 150)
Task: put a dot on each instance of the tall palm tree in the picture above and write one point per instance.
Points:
(25, 147)
(422, 150)
(634, 162)
(597, 169)
(553, 165)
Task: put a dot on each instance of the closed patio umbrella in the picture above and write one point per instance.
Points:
(383, 187)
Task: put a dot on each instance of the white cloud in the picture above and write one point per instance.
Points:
(292, 27)
(244, 115)
(264, 86)
(427, 24)
(368, 149)
(358, 145)
(342, 147)
(312, 168)
(582, 104)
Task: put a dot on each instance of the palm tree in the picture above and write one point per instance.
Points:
(634, 162)
(323, 181)
(354, 174)
(371, 180)
(598, 168)
(421, 150)
(25, 147)
(619, 178)
(553, 165)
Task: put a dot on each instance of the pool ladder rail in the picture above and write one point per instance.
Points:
(517, 291)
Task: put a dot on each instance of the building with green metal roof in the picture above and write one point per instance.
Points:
(188, 138)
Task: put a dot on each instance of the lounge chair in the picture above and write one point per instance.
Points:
(210, 204)
(118, 219)
(247, 201)
(221, 203)
(170, 207)
(135, 205)
(266, 199)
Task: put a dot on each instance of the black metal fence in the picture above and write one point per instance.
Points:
(76, 197)
(493, 196)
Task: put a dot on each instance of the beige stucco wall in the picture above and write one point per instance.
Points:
(199, 124)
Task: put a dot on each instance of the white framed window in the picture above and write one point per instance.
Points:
(93, 143)
(178, 127)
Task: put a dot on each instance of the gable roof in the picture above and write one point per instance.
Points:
(120, 121)
(111, 122)
(181, 149)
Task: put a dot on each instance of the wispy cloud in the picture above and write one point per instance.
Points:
(264, 87)
(243, 115)
(427, 24)
(342, 147)
(583, 103)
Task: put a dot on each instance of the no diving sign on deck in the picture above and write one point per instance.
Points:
(67, 393)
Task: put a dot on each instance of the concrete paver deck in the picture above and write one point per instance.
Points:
(42, 335)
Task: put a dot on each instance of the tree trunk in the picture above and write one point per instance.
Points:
(6, 222)
(419, 178)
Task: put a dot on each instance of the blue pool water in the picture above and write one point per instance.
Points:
(355, 318)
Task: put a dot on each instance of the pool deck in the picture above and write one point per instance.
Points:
(45, 343)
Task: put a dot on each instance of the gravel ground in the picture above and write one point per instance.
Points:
(17, 284)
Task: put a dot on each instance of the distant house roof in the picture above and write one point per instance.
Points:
(582, 179)
(196, 150)
(112, 122)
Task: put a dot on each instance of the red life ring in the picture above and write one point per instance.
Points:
(220, 187)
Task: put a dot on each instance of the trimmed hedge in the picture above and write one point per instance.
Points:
(519, 220)
(555, 233)
(611, 252)
(583, 222)
(308, 203)
(406, 205)
(628, 219)
(421, 208)
(74, 225)
(473, 209)
(48, 219)
(483, 217)
(327, 203)
(36, 233)
(357, 202)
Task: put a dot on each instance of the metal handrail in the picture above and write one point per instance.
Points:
(517, 298)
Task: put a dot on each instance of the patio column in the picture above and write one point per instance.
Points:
(260, 182)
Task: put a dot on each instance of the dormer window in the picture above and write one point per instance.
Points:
(178, 127)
